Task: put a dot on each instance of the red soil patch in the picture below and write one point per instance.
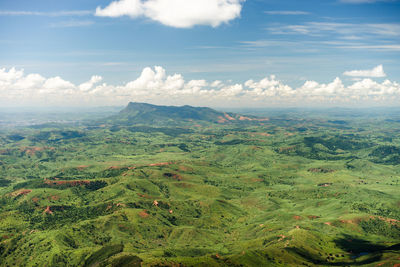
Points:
(55, 197)
(114, 167)
(296, 217)
(35, 199)
(131, 168)
(32, 150)
(144, 196)
(328, 223)
(20, 192)
(388, 220)
(67, 183)
(281, 237)
(82, 167)
(244, 118)
(48, 210)
(263, 134)
(313, 217)
(5, 237)
(160, 164)
(221, 119)
(173, 176)
(216, 256)
(144, 214)
(203, 204)
(185, 168)
(229, 117)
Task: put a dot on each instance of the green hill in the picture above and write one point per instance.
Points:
(283, 192)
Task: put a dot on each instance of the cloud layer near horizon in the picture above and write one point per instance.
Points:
(376, 72)
(176, 13)
(155, 86)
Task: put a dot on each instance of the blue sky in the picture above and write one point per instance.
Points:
(235, 42)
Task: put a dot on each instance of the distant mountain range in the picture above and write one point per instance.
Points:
(143, 113)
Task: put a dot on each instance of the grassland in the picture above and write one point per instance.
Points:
(309, 191)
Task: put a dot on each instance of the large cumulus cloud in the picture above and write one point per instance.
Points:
(176, 13)
(156, 86)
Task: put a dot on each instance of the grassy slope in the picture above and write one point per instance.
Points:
(228, 196)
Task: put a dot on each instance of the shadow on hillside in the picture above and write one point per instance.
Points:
(355, 246)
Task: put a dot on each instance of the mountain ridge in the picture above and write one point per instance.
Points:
(145, 113)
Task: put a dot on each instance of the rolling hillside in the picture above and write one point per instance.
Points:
(284, 192)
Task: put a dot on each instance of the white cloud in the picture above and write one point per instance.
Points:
(132, 8)
(176, 13)
(376, 72)
(231, 90)
(29, 81)
(89, 84)
(216, 83)
(312, 88)
(156, 86)
(268, 86)
(372, 88)
(196, 85)
(342, 29)
(57, 84)
(11, 75)
(286, 12)
(187, 13)
(72, 23)
(371, 47)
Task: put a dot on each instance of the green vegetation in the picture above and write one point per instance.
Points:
(198, 190)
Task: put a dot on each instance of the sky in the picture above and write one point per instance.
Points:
(218, 53)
